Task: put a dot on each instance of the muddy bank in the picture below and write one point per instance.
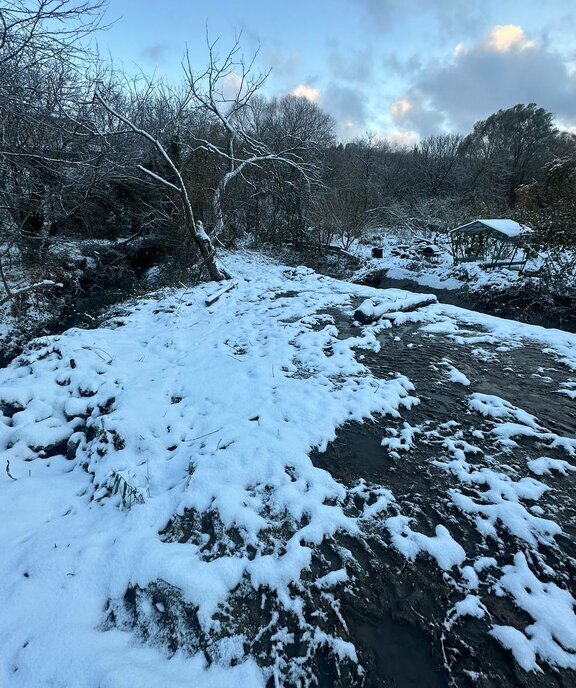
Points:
(94, 277)
(332, 263)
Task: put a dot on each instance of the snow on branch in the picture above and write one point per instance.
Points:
(12, 294)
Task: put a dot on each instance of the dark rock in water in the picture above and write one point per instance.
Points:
(361, 317)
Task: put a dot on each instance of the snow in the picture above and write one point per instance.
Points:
(470, 606)
(492, 406)
(402, 263)
(395, 301)
(545, 465)
(441, 546)
(522, 423)
(400, 441)
(331, 579)
(510, 228)
(434, 278)
(455, 375)
(213, 410)
(195, 408)
(520, 646)
(201, 232)
(552, 636)
(501, 505)
(500, 501)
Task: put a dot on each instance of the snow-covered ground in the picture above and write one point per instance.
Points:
(162, 522)
(439, 274)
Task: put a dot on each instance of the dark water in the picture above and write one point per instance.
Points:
(86, 312)
(396, 615)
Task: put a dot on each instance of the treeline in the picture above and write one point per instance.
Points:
(86, 152)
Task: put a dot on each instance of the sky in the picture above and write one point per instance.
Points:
(395, 69)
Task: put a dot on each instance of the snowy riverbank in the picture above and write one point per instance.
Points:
(163, 523)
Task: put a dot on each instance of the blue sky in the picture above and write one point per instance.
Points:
(400, 69)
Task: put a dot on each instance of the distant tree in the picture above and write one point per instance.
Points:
(44, 178)
(549, 206)
(34, 32)
(517, 141)
(436, 161)
(284, 194)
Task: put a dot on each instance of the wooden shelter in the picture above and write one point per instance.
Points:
(493, 243)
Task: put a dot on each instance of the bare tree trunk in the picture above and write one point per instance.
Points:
(217, 208)
(244, 148)
(195, 229)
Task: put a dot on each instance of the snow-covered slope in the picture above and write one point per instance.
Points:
(169, 451)
(181, 407)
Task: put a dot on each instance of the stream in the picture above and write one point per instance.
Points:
(86, 312)
(397, 612)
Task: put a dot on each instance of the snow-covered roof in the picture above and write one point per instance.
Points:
(510, 228)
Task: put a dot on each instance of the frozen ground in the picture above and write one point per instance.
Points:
(259, 492)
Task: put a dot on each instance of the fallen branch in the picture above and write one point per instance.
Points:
(8, 471)
(212, 299)
(12, 294)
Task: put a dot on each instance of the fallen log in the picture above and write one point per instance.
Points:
(373, 310)
(12, 293)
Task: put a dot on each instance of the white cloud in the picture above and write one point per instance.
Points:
(506, 37)
(504, 67)
(400, 108)
(349, 107)
(401, 139)
(309, 92)
(567, 127)
(231, 85)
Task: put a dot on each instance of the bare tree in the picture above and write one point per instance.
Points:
(42, 54)
(176, 184)
(226, 89)
(339, 213)
(33, 32)
(225, 95)
(287, 197)
(436, 160)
